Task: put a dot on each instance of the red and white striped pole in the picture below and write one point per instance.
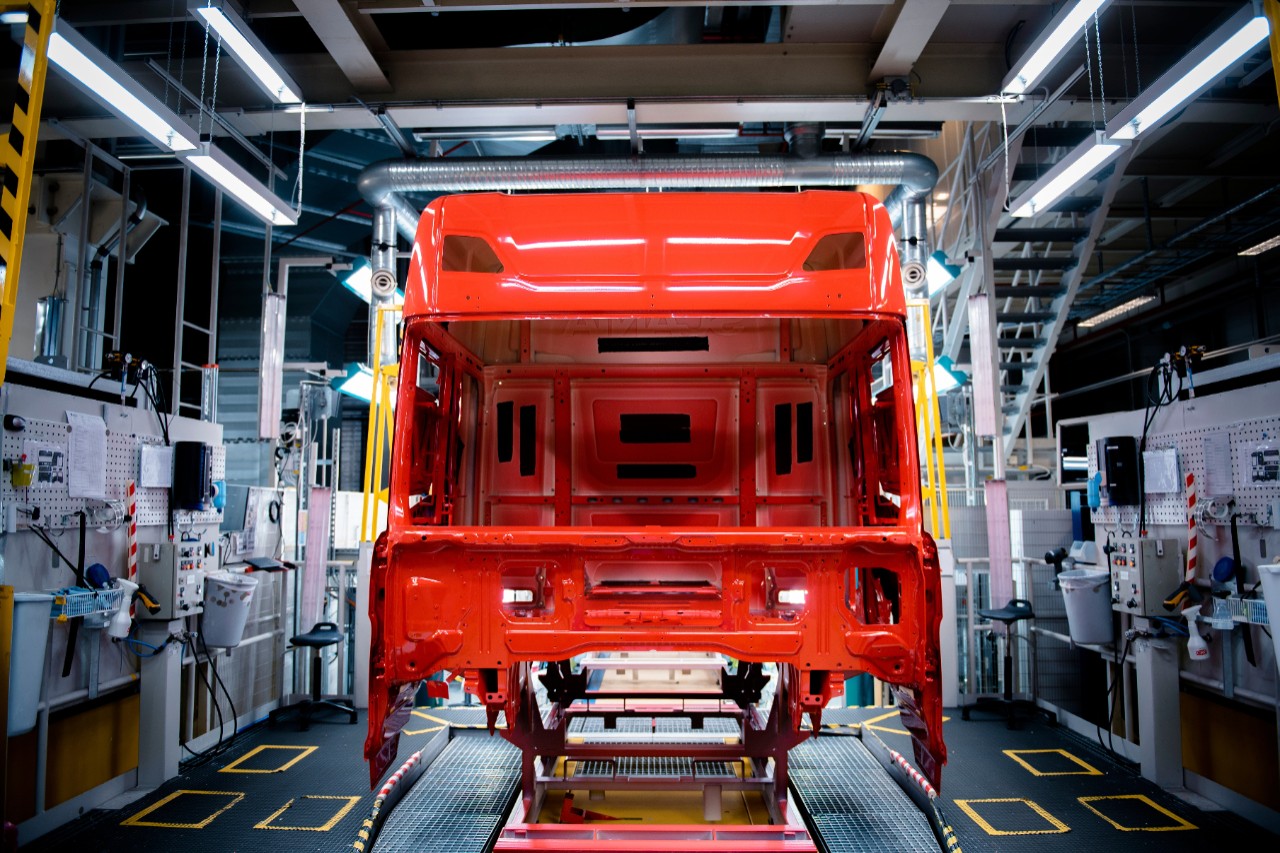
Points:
(1191, 528)
(131, 504)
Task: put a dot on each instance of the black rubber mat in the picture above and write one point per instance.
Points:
(1042, 788)
(284, 811)
(277, 790)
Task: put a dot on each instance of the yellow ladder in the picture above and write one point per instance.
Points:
(18, 156)
(933, 482)
(381, 430)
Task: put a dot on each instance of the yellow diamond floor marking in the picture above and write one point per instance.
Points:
(1056, 826)
(427, 730)
(301, 753)
(1177, 826)
(349, 803)
(1085, 769)
(871, 724)
(136, 820)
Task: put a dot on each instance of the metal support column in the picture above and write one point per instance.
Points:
(180, 313)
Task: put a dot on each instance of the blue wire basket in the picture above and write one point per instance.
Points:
(78, 601)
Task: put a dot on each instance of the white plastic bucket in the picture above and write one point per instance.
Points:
(226, 607)
(1088, 602)
(26, 661)
(1271, 595)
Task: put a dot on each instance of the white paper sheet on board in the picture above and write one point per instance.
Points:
(87, 456)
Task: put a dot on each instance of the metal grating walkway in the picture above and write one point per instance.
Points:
(459, 803)
(852, 804)
(653, 729)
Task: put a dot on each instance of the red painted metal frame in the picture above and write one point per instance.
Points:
(871, 587)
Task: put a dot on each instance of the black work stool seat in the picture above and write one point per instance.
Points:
(323, 635)
(1015, 611)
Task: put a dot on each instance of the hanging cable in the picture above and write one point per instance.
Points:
(204, 70)
(302, 153)
(1102, 83)
(1004, 124)
(1088, 64)
(1137, 66)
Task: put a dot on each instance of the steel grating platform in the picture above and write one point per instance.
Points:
(654, 729)
(852, 803)
(460, 801)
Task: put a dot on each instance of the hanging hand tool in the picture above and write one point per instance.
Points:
(1235, 555)
(76, 621)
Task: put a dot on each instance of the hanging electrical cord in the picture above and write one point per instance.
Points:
(1113, 698)
(209, 752)
(235, 718)
(204, 71)
(1156, 398)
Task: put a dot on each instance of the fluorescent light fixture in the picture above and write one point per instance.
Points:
(13, 17)
(1054, 40)
(1192, 74)
(945, 375)
(249, 52)
(357, 383)
(938, 273)
(108, 84)
(1079, 165)
(1118, 311)
(360, 282)
(1264, 246)
(226, 173)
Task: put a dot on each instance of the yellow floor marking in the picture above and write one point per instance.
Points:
(303, 752)
(871, 724)
(1058, 826)
(427, 730)
(1085, 769)
(136, 820)
(324, 827)
(1178, 826)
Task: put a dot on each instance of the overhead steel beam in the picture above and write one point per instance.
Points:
(345, 43)
(912, 29)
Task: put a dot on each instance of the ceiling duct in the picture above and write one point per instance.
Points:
(385, 184)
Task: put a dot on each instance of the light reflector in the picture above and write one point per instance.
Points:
(250, 53)
(108, 84)
(215, 165)
(1053, 41)
(1192, 74)
(1085, 159)
(358, 382)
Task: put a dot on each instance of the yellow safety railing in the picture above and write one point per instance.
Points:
(18, 156)
(933, 480)
(381, 430)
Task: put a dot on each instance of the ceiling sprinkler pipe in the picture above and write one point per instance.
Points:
(384, 185)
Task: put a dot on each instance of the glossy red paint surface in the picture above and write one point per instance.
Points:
(654, 428)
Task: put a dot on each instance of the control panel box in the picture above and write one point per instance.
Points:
(1143, 573)
(173, 572)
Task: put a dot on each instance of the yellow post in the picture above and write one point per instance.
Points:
(380, 432)
(933, 487)
(1272, 8)
(17, 158)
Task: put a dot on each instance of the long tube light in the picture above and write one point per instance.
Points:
(1085, 159)
(1118, 311)
(1053, 41)
(219, 168)
(108, 84)
(251, 54)
(1192, 74)
(1264, 246)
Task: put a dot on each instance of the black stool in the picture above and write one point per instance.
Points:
(1015, 611)
(324, 634)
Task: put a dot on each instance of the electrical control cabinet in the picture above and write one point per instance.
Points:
(1143, 573)
(173, 572)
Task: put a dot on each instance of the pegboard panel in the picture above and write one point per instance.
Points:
(1252, 499)
(123, 460)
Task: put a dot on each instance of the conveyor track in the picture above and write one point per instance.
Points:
(459, 802)
(852, 803)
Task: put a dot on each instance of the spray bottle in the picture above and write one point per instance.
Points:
(1197, 648)
(123, 620)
